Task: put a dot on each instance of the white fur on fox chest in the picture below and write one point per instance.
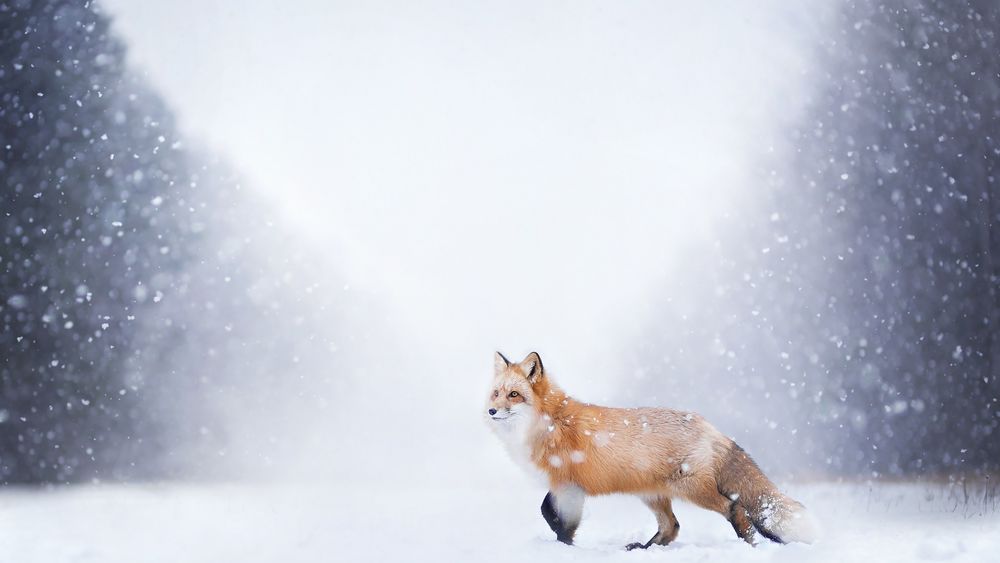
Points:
(517, 434)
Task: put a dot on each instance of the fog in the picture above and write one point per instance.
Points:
(512, 176)
(272, 240)
(256, 258)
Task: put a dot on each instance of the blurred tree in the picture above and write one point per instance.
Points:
(901, 150)
(857, 304)
(144, 296)
(92, 220)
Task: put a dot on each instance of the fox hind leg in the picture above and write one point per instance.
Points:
(667, 525)
(562, 509)
(730, 508)
(740, 519)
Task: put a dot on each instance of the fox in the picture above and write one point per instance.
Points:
(656, 454)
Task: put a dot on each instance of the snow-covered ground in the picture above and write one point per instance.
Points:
(250, 523)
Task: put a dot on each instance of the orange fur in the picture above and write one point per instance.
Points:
(656, 453)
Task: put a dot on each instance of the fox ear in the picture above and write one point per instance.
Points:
(500, 363)
(532, 367)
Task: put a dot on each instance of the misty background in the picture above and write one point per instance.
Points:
(271, 240)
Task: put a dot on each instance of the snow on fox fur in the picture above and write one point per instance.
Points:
(653, 453)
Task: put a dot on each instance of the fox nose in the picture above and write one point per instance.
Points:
(492, 412)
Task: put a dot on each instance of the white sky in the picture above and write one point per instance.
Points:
(509, 175)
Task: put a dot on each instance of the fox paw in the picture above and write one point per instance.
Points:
(636, 545)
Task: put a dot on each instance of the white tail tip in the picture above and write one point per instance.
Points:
(798, 526)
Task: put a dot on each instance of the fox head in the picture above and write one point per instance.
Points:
(514, 391)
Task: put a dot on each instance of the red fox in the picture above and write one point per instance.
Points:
(656, 454)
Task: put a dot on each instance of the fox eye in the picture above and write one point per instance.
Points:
(496, 393)
(513, 394)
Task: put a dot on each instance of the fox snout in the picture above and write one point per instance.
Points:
(498, 414)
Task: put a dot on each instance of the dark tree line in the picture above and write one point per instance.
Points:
(903, 143)
(859, 302)
(93, 189)
(144, 295)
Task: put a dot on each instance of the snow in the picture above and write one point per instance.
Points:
(463, 522)
(818, 309)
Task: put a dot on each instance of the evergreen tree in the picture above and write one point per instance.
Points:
(858, 301)
(92, 223)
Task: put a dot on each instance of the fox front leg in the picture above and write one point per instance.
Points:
(562, 509)
(667, 525)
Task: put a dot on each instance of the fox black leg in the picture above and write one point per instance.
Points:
(563, 534)
(562, 509)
